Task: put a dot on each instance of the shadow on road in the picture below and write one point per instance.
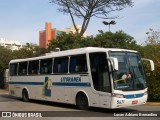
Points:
(91, 109)
(8, 98)
(75, 112)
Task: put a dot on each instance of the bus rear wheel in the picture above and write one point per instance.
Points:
(82, 101)
(25, 95)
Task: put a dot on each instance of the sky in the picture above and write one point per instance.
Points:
(21, 20)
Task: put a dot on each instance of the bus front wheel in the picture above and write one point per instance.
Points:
(82, 101)
(25, 96)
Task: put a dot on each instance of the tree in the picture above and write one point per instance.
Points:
(152, 51)
(65, 41)
(39, 51)
(153, 37)
(6, 56)
(85, 9)
(118, 39)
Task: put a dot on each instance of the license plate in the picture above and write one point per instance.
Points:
(135, 102)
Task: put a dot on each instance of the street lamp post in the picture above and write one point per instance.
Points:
(109, 23)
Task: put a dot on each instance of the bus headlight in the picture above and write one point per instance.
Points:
(117, 95)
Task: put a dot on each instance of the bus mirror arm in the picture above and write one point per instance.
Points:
(151, 63)
(114, 62)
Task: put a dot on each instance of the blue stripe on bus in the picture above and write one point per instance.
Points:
(27, 83)
(134, 96)
(54, 83)
(71, 84)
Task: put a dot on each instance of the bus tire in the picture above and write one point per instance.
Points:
(82, 101)
(25, 95)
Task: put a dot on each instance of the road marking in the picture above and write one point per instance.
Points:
(2, 93)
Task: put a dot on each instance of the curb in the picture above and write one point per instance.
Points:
(152, 104)
(3, 92)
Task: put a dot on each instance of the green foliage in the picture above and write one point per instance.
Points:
(154, 90)
(29, 50)
(152, 51)
(103, 39)
(6, 56)
(65, 41)
(114, 40)
(153, 37)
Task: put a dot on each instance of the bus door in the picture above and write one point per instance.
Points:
(100, 78)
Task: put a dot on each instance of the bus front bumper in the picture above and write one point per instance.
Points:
(126, 101)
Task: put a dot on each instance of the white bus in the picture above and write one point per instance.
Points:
(97, 77)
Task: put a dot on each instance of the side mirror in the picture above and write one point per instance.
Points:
(151, 63)
(115, 62)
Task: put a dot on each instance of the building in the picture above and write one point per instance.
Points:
(50, 33)
(10, 44)
(47, 35)
(72, 30)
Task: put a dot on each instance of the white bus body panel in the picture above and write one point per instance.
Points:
(59, 92)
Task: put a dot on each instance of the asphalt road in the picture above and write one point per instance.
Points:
(69, 112)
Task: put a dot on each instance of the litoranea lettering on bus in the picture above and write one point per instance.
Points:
(70, 79)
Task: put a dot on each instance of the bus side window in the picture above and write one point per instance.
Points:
(33, 67)
(60, 65)
(22, 69)
(78, 64)
(13, 69)
(46, 66)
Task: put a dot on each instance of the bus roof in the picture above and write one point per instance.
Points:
(71, 52)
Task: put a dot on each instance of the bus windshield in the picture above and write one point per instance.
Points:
(130, 75)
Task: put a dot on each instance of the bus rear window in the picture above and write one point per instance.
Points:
(13, 69)
(22, 70)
